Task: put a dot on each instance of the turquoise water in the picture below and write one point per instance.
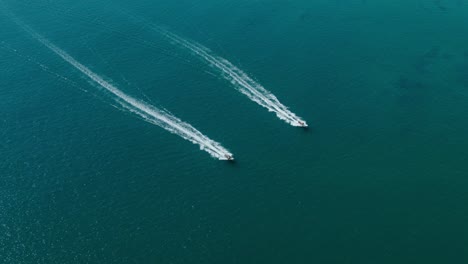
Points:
(379, 177)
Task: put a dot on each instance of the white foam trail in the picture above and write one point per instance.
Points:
(244, 83)
(144, 110)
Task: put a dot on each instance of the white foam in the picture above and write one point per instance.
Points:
(244, 83)
(144, 110)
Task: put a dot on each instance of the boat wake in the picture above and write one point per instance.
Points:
(146, 111)
(244, 83)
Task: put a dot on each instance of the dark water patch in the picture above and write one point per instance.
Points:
(410, 92)
(462, 74)
(427, 59)
(422, 5)
(306, 16)
(406, 84)
(357, 18)
(433, 53)
(447, 56)
(440, 5)
(258, 16)
(412, 99)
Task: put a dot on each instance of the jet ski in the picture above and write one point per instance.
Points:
(229, 156)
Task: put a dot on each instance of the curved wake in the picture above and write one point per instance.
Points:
(244, 83)
(144, 110)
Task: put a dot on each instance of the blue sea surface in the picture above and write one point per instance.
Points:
(380, 175)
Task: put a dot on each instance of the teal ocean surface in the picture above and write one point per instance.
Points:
(90, 174)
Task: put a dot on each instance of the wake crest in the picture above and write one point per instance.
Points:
(142, 109)
(244, 83)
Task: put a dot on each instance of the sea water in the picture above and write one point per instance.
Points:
(380, 175)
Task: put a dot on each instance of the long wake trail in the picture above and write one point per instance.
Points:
(244, 83)
(144, 110)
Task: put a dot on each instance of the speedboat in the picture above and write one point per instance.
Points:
(302, 124)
